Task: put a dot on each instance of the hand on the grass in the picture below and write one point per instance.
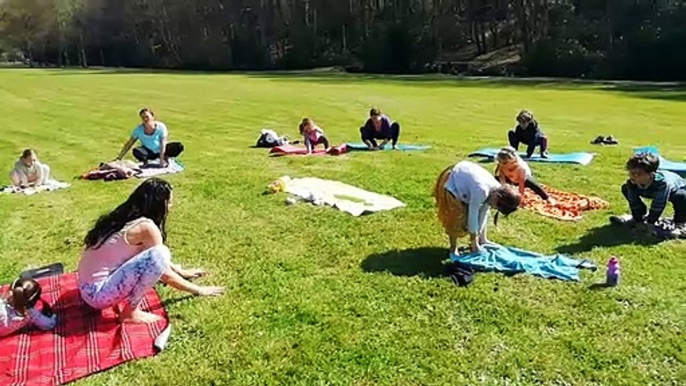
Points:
(192, 273)
(210, 291)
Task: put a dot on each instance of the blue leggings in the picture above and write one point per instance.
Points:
(130, 281)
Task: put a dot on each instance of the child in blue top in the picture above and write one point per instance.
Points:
(661, 186)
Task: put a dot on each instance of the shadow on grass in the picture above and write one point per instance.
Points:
(425, 262)
(607, 236)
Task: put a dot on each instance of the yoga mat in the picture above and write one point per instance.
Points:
(665, 164)
(581, 158)
(300, 150)
(85, 341)
(359, 146)
(513, 261)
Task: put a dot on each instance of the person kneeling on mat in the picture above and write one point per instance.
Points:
(313, 135)
(464, 194)
(28, 171)
(512, 169)
(125, 255)
(379, 126)
(153, 137)
(528, 133)
(662, 186)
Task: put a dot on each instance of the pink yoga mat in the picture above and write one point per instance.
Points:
(299, 150)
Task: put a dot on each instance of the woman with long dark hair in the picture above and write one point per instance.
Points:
(125, 255)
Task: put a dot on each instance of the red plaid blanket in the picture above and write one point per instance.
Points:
(84, 342)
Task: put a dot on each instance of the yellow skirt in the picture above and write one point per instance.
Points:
(451, 212)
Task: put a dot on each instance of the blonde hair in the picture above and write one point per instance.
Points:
(507, 154)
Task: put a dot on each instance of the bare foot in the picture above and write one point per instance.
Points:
(138, 316)
(192, 273)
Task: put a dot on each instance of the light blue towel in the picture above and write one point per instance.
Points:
(404, 147)
(566, 158)
(511, 261)
(665, 164)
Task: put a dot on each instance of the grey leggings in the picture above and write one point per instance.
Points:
(130, 281)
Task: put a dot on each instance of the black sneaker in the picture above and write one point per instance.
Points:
(544, 155)
(599, 140)
(610, 140)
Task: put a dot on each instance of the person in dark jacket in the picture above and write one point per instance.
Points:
(379, 126)
(661, 186)
(529, 133)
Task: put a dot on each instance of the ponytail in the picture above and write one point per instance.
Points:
(25, 294)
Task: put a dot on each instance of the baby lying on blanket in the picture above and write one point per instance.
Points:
(114, 170)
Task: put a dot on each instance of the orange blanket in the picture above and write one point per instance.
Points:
(562, 205)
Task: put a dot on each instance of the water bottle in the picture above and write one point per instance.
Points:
(613, 272)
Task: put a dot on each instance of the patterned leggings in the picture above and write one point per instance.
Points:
(130, 281)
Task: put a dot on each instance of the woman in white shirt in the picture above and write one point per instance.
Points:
(464, 194)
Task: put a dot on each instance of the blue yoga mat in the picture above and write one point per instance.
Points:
(361, 146)
(567, 158)
(512, 261)
(665, 164)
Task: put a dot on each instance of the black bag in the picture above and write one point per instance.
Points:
(461, 274)
(269, 138)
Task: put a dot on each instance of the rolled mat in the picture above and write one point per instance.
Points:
(85, 341)
(581, 158)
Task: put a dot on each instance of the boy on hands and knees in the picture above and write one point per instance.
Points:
(645, 181)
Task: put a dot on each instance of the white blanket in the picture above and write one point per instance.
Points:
(47, 187)
(154, 169)
(344, 197)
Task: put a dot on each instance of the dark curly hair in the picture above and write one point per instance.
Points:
(647, 162)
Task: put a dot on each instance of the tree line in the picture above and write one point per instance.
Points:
(629, 39)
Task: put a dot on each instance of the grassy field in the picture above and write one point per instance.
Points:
(316, 296)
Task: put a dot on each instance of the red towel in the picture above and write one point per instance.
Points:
(85, 341)
(292, 149)
(565, 206)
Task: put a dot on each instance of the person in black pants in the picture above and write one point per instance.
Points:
(379, 126)
(512, 169)
(528, 133)
(153, 136)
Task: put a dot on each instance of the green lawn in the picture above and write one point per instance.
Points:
(316, 296)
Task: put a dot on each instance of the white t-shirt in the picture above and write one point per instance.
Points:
(472, 184)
